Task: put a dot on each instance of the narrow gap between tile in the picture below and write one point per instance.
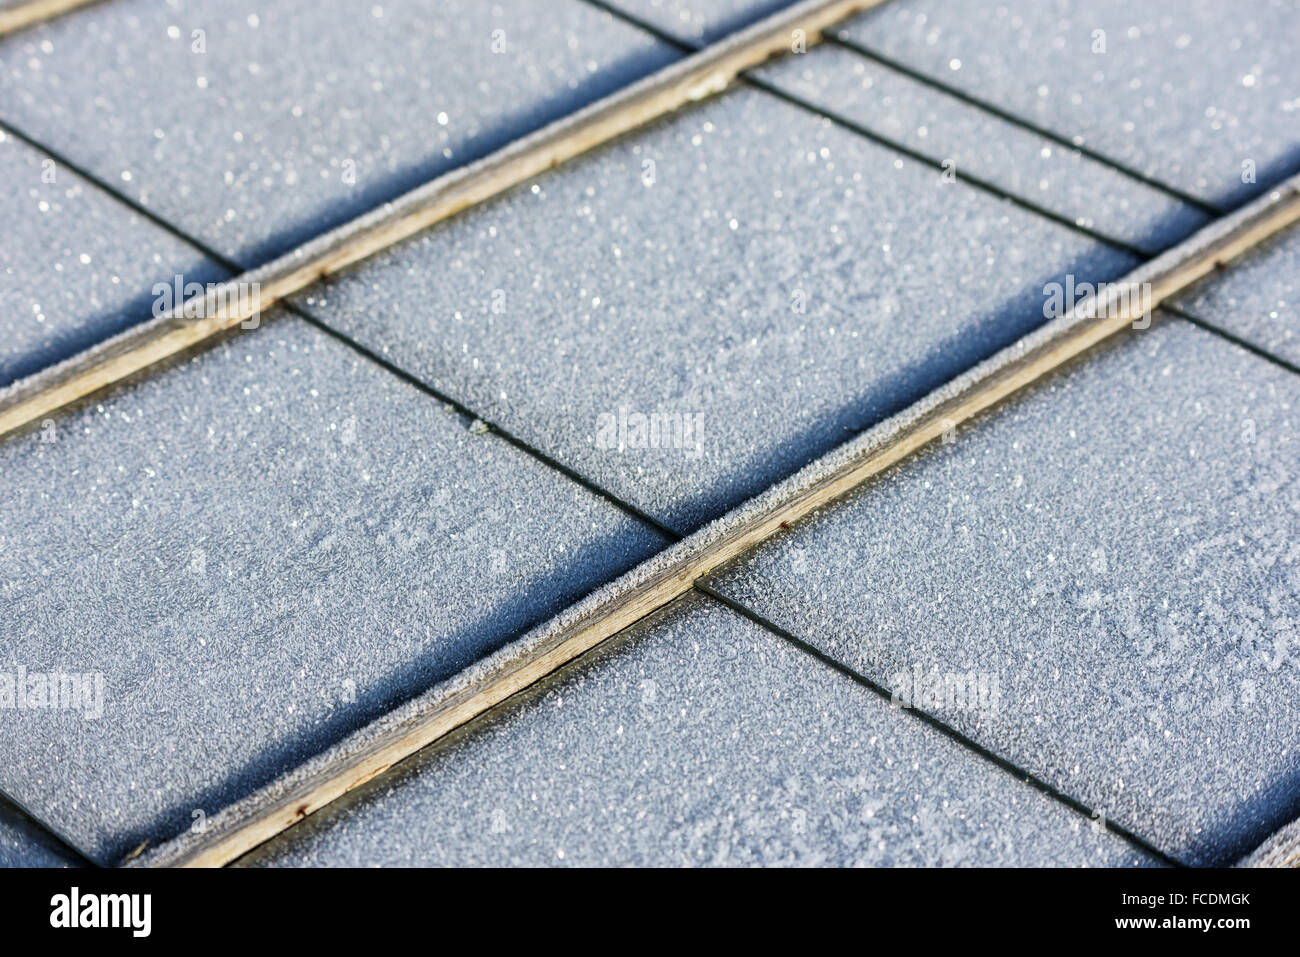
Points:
(840, 39)
(953, 734)
(1230, 337)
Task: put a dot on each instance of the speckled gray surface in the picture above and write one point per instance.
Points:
(781, 282)
(700, 21)
(76, 266)
(969, 141)
(24, 844)
(297, 116)
(260, 550)
(1118, 552)
(699, 739)
(1186, 91)
(1258, 299)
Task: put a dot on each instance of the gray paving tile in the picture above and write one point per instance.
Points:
(76, 266)
(781, 283)
(1257, 300)
(295, 118)
(22, 844)
(258, 550)
(1186, 91)
(1115, 554)
(971, 141)
(701, 739)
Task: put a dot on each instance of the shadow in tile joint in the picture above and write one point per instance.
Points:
(1277, 172)
(47, 831)
(952, 733)
(840, 39)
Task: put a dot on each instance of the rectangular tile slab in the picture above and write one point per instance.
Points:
(699, 739)
(248, 555)
(1115, 555)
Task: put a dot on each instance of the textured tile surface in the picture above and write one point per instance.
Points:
(781, 282)
(22, 844)
(969, 141)
(1186, 91)
(299, 116)
(258, 550)
(702, 739)
(76, 266)
(1258, 299)
(1118, 552)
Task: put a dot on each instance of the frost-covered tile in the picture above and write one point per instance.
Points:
(24, 844)
(968, 141)
(1198, 94)
(965, 139)
(255, 129)
(1100, 582)
(1258, 299)
(245, 556)
(700, 739)
(76, 265)
(763, 281)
